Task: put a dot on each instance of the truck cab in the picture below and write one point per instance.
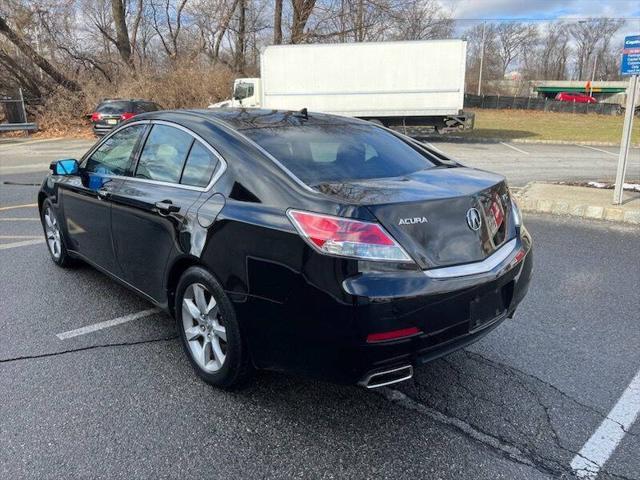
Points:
(246, 94)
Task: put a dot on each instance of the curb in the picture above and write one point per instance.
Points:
(573, 209)
(459, 139)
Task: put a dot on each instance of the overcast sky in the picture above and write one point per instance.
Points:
(546, 10)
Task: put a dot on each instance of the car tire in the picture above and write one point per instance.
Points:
(53, 235)
(211, 335)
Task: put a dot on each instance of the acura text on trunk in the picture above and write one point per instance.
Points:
(309, 243)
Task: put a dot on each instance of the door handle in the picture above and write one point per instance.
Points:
(165, 207)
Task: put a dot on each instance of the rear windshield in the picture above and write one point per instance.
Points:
(332, 153)
(114, 107)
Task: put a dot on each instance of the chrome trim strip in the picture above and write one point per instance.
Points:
(475, 268)
(214, 178)
(366, 381)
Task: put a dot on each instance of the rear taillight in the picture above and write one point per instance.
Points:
(95, 117)
(347, 238)
(127, 116)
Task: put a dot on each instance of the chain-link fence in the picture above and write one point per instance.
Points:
(13, 114)
(543, 104)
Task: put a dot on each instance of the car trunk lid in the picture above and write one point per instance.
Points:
(441, 216)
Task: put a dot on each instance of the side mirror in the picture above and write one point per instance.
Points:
(67, 166)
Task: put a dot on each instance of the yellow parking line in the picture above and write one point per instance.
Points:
(13, 207)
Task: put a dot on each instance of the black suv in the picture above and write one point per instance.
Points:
(110, 113)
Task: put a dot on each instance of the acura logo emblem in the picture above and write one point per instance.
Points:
(473, 219)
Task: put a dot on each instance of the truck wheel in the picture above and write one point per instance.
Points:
(210, 332)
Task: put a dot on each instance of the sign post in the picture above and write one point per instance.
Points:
(630, 65)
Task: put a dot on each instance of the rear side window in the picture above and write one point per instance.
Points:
(113, 108)
(164, 154)
(113, 156)
(139, 108)
(142, 107)
(332, 153)
(200, 166)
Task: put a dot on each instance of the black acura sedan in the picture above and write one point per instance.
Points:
(307, 243)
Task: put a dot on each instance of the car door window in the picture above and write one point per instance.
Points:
(113, 156)
(164, 154)
(200, 166)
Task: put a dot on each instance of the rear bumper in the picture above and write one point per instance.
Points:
(314, 333)
(443, 317)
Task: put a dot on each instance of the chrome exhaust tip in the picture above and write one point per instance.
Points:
(387, 377)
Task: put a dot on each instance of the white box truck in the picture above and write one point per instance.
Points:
(417, 83)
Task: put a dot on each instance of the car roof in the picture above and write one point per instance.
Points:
(242, 119)
(109, 100)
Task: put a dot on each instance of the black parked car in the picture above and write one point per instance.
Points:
(110, 113)
(314, 244)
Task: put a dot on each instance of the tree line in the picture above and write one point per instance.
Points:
(66, 44)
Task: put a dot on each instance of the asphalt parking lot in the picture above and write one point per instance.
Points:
(538, 398)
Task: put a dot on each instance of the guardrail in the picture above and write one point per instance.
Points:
(13, 127)
(536, 103)
(14, 114)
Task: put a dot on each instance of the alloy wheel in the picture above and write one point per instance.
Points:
(52, 230)
(204, 328)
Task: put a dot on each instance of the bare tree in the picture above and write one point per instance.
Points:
(213, 19)
(168, 25)
(240, 47)
(121, 41)
(421, 20)
(512, 39)
(548, 59)
(301, 12)
(482, 43)
(591, 36)
(36, 58)
(277, 22)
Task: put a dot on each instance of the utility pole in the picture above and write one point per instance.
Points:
(593, 75)
(484, 26)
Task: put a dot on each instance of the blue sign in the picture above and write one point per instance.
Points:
(630, 64)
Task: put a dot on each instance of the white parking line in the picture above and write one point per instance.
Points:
(13, 237)
(514, 148)
(598, 150)
(13, 207)
(29, 166)
(20, 219)
(109, 323)
(23, 243)
(595, 453)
